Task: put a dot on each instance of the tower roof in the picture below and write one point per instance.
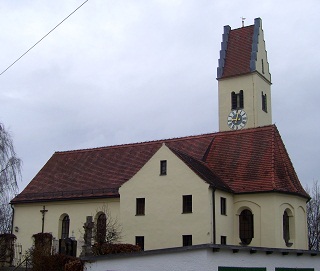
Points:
(239, 51)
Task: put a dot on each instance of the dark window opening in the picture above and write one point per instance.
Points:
(286, 228)
(223, 206)
(65, 227)
(163, 167)
(223, 240)
(264, 102)
(237, 100)
(140, 206)
(262, 66)
(140, 242)
(293, 269)
(246, 227)
(222, 268)
(187, 204)
(187, 240)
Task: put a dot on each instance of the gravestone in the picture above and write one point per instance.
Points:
(88, 227)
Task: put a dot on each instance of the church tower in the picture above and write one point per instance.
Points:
(244, 80)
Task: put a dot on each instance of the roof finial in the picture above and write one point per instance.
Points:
(242, 19)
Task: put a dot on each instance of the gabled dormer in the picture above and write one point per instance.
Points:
(244, 79)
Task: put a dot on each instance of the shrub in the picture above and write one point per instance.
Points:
(55, 262)
(74, 265)
(105, 248)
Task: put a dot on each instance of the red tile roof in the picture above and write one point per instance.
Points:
(245, 161)
(239, 50)
(254, 160)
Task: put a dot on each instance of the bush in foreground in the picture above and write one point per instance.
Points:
(104, 248)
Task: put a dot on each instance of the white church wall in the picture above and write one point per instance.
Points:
(224, 222)
(28, 218)
(164, 222)
(268, 209)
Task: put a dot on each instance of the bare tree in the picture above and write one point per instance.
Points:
(107, 228)
(10, 172)
(313, 216)
(5, 215)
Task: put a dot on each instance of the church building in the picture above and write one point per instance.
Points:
(233, 187)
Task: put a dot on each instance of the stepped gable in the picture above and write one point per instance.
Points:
(236, 51)
(254, 160)
(99, 172)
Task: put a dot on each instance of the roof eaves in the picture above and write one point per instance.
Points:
(18, 201)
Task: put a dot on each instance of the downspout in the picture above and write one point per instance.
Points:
(213, 216)
(12, 218)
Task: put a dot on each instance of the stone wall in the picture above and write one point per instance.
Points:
(6, 249)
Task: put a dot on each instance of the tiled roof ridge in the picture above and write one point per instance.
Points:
(180, 153)
(289, 168)
(160, 141)
(273, 160)
(284, 154)
(204, 158)
(175, 150)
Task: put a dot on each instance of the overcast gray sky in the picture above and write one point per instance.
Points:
(123, 71)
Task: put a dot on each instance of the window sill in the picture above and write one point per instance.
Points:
(140, 214)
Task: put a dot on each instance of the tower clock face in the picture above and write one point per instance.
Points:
(237, 119)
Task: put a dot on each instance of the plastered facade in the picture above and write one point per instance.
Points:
(253, 84)
(28, 218)
(164, 223)
(268, 209)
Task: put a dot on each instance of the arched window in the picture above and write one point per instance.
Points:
(65, 227)
(101, 230)
(246, 227)
(286, 228)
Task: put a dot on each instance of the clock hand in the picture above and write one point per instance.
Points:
(237, 116)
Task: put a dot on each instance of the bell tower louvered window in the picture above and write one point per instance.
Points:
(264, 102)
(237, 100)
